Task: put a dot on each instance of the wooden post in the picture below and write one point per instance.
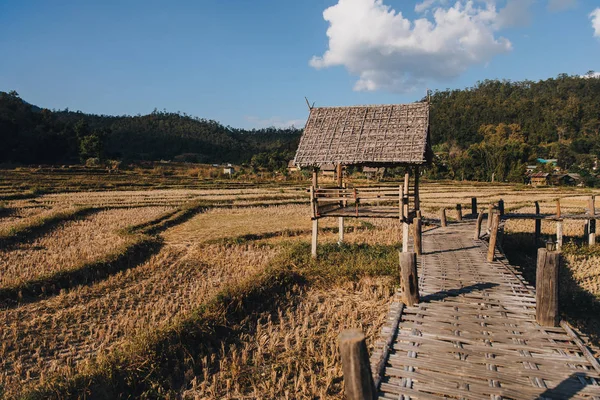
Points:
(538, 224)
(341, 230)
(501, 207)
(546, 291)
(474, 205)
(459, 212)
(339, 171)
(409, 281)
(557, 208)
(418, 231)
(417, 199)
(559, 235)
(405, 201)
(405, 233)
(592, 205)
(315, 179)
(489, 216)
(478, 226)
(358, 380)
(592, 232)
(493, 237)
(591, 223)
(315, 233)
(443, 217)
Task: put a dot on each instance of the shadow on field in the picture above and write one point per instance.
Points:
(576, 305)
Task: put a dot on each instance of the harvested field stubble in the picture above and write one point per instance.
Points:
(294, 353)
(70, 245)
(70, 330)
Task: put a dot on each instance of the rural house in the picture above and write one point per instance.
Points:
(229, 170)
(292, 167)
(540, 179)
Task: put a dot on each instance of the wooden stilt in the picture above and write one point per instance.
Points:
(489, 216)
(474, 205)
(557, 208)
(493, 237)
(418, 231)
(405, 233)
(592, 233)
(459, 212)
(341, 230)
(443, 217)
(358, 380)
(409, 281)
(315, 179)
(417, 198)
(501, 207)
(546, 310)
(591, 223)
(315, 234)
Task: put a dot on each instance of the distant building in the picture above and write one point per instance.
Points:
(228, 170)
(552, 161)
(373, 173)
(566, 179)
(292, 167)
(531, 168)
(328, 170)
(540, 179)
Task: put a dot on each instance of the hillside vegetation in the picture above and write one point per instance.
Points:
(494, 128)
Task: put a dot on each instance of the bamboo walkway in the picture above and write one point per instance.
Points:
(474, 335)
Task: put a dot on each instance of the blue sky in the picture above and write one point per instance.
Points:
(250, 63)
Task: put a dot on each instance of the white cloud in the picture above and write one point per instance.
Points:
(275, 122)
(388, 51)
(560, 5)
(595, 17)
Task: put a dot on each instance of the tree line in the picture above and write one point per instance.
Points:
(494, 128)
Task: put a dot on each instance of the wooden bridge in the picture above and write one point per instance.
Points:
(473, 335)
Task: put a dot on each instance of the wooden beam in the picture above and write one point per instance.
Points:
(409, 281)
(546, 291)
(358, 380)
(493, 237)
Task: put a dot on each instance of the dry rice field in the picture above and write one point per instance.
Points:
(224, 303)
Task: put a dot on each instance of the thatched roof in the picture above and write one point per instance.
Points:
(383, 135)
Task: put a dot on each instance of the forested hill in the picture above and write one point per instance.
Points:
(500, 126)
(31, 135)
(495, 127)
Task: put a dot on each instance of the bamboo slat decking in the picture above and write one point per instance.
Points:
(474, 334)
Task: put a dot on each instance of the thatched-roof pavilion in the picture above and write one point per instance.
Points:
(386, 135)
(373, 136)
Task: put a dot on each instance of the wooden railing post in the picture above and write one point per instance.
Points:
(501, 207)
(358, 380)
(418, 232)
(591, 223)
(546, 291)
(443, 217)
(559, 235)
(557, 208)
(538, 224)
(592, 232)
(493, 237)
(474, 205)
(409, 281)
(340, 230)
(490, 214)
(459, 212)
(478, 226)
